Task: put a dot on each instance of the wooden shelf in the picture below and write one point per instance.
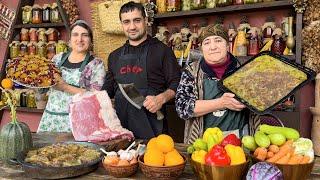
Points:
(233, 8)
(26, 109)
(42, 25)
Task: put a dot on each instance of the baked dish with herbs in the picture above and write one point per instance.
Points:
(32, 71)
(264, 81)
(62, 155)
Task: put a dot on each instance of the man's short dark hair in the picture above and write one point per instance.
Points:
(131, 6)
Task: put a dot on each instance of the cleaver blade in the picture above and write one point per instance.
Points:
(131, 93)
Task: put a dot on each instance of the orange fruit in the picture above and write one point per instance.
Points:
(7, 83)
(152, 143)
(173, 158)
(153, 157)
(165, 143)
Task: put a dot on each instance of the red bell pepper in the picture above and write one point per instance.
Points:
(231, 139)
(217, 156)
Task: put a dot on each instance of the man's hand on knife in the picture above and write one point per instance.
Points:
(154, 103)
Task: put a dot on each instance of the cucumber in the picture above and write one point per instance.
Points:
(289, 133)
(261, 139)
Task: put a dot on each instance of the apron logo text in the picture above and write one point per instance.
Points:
(130, 69)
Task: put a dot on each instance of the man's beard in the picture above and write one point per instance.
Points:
(139, 37)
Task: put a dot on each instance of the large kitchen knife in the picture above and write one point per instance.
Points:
(131, 93)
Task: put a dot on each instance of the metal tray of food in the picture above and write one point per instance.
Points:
(265, 80)
(32, 71)
(46, 171)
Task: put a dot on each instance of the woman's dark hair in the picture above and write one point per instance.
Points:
(84, 25)
(131, 6)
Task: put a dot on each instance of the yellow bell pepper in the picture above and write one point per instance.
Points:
(198, 156)
(216, 132)
(236, 154)
(212, 136)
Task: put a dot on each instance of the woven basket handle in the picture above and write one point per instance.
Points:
(254, 124)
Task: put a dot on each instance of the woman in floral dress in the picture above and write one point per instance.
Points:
(80, 72)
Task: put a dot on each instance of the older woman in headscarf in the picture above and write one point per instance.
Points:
(198, 99)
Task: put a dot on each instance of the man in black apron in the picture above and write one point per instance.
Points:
(150, 65)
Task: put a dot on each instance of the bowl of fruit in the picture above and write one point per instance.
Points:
(282, 147)
(161, 160)
(121, 164)
(217, 157)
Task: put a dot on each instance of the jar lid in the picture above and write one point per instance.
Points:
(24, 30)
(36, 6)
(27, 8)
(51, 30)
(14, 43)
(45, 6)
(54, 5)
(61, 42)
(41, 29)
(32, 43)
(33, 29)
(41, 43)
(24, 42)
(51, 42)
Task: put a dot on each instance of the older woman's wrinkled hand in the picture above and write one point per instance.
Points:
(229, 102)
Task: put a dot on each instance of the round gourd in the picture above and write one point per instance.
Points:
(15, 137)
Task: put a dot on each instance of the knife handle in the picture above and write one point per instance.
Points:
(159, 115)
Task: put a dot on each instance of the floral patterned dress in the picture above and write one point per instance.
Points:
(56, 117)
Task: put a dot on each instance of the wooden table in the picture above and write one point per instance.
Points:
(16, 172)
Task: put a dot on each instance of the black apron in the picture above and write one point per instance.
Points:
(226, 120)
(132, 68)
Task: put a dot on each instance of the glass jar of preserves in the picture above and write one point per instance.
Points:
(26, 14)
(36, 14)
(186, 5)
(16, 95)
(61, 46)
(14, 49)
(173, 5)
(32, 48)
(162, 6)
(33, 36)
(23, 99)
(23, 48)
(46, 13)
(51, 49)
(221, 3)
(42, 35)
(55, 16)
(42, 49)
(24, 34)
(31, 100)
(198, 4)
(52, 34)
(211, 4)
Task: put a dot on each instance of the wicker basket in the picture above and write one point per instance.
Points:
(164, 172)
(292, 172)
(121, 171)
